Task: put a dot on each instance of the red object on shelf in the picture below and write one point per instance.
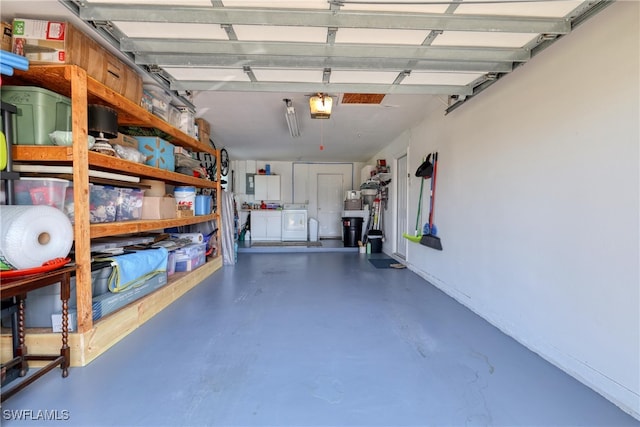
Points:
(44, 268)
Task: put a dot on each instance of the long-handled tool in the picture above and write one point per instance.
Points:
(424, 171)
(430, 239)
(428, 226)
(416, 238)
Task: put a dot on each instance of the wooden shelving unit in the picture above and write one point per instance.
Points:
(72, 81)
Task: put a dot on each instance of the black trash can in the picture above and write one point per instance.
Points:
(352, 231)
(375, 238)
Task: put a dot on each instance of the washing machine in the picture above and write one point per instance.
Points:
(294, 222)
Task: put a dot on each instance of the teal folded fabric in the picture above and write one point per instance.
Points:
(133, 269)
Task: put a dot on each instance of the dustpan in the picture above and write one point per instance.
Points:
(414, 239)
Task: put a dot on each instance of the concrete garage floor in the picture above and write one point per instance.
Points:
(316, 339)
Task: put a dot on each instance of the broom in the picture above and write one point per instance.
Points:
(416, 238)
(430, 239)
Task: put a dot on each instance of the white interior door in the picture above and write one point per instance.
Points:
(330, 204)
(401, 206)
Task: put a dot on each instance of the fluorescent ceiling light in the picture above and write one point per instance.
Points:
(292, 120)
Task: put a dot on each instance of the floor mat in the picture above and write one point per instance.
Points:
(385, 263)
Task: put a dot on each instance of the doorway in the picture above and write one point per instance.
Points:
(401, 206)
(330, 204)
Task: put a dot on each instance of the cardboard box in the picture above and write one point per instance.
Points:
(204, 130)
(7, 29)
(158, 151)
(183, 212)
(203, 125)
(181, 150)
(56, 321)
(159, 207)
(108, 303)
(204, 137)
(125, 141)
(51, 42)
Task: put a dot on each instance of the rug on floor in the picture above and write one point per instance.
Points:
(385, 263)
(307, 244)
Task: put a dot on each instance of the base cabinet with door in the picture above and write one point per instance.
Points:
(266, 225)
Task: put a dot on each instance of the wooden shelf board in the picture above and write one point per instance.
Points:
(110, 163)
(55, 154)
(41, 153)
(128, 227)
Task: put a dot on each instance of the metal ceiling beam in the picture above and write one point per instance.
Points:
(579, 15)
(324, 18)
(442, 53)
(320, 87)
(336, 63)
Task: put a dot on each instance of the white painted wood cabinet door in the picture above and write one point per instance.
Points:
(266, 225)
(267, 187)
(258, 226)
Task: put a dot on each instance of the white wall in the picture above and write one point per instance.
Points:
(285, 170)
(537, 204)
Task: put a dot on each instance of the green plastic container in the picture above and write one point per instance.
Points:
(40, 112)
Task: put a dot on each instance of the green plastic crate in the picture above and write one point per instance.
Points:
(40, 112)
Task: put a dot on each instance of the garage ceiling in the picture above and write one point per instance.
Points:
(236, 61)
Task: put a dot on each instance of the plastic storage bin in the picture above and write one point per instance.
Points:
(69, 204)
(44, 302)
(103, 202)
(108, 204)
(40, 112)
(190, 257)
(129, 205)
(41, 191)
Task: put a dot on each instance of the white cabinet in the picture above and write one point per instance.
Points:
(266, 225)
(267, 187)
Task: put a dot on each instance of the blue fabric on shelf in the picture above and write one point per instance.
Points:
(134, 269)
